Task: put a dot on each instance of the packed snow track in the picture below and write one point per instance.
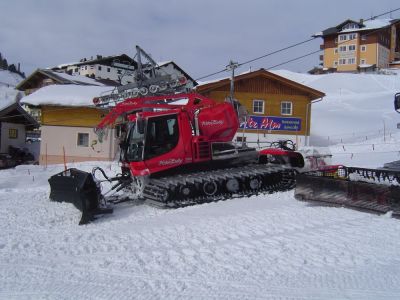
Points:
(262, 247)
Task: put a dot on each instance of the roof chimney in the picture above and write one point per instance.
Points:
(362, 21)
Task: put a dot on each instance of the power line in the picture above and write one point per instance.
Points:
(262, 56)
(289, 47)
(294, 59)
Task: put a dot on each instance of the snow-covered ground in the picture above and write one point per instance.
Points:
(262, 247)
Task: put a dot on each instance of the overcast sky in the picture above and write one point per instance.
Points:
(200, 36)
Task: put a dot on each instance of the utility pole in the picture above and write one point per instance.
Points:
(232, 66)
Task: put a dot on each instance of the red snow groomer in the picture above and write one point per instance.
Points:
(178, 151)
(361, 188)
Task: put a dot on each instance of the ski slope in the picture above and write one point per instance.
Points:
(356, 106)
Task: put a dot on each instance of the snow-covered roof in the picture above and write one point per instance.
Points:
(66, 95)
(162, 63)
(371, 24)
(64, 65)
(362, 26)
(97, 59)
(59, 77)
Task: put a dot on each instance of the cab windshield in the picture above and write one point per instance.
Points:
(157, 136)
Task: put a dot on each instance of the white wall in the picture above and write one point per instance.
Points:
(54, 138)
(103, 73)
(6, 141)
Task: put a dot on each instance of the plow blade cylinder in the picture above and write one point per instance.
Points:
(79, 188)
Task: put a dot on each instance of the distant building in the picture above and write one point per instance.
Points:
(45, 77)
(119, 68)
(14, 123)
(67, 119)
(363, 45)
(278, 108)
(170, 67)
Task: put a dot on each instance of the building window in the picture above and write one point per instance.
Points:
(83, 140)
(352, 36)
(258, 106)
(343, 37)
(108, 69)
(352, 47)
(343, 48)
(335, 64)
(363, 62)
(336, 50)
(85, 67)
(351, 61)
(119, 71)
(350, 26)
(286, 108)
(364, 37)
(363, 48)
(13, 133)
(342, 61)
(99, 68)
(335, 40)
(76, 70)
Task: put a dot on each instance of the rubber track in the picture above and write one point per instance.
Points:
(165, 192)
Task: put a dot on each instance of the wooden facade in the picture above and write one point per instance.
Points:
(272, 90)
(71, 116)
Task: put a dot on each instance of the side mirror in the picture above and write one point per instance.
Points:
(397, 102)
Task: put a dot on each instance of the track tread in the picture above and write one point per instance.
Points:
(275, 178)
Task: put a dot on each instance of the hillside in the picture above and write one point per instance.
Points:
(356, 106)
(8, 81)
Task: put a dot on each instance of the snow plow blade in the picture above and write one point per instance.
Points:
(366, 189)
(79, 188)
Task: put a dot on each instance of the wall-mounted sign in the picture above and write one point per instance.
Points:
(271, 123)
